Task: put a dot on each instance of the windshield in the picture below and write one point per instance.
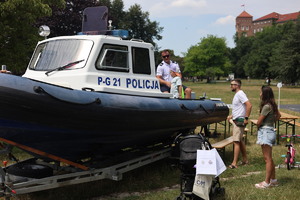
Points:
(53, 54)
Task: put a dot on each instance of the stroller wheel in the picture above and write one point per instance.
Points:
(222, 191)
(181, 197)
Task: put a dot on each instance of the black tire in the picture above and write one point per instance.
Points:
(180, 198)
(288, 159)
(195, 197)
(222, 191)
(30, 170)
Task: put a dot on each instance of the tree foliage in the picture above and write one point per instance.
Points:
(239, 55)
(20, 19)
(116, 13)
(68, 21)
(274, 53)
(285, 61)
(140, 26)
(209, 58)
(18, 31)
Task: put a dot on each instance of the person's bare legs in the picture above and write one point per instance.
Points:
(188, 93)
(239, 145)
(270, 167)
(244, 153)
(236, 153)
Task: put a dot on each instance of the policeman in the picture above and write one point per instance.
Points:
(164, 77)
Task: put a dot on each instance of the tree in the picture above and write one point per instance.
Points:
(64, 17)
(258, 62)
(253, 56)
(68, 21)
(286, 58)
(116, 13)
(139, 25)
(18, 32)
(239, 55)
(208, 58)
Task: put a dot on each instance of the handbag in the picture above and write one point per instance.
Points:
(209, 165)
(202, 185)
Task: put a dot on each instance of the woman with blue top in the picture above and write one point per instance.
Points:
(266, 135)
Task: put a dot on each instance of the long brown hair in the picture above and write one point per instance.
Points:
(267, 97)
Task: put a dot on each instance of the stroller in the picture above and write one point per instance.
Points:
(185, 147)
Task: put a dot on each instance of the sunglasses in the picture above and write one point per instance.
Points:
(166, 56)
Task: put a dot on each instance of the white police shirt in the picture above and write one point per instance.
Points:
(164, 68)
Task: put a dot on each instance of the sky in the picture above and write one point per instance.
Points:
(185, 22)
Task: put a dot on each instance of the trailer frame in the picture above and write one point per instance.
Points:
(114, 172)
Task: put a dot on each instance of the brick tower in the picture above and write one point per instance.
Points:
(244, 24)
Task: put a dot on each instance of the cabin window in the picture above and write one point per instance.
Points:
(141, 61)
(58, 53)
(113, 58)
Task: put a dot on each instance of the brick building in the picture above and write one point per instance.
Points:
(247, 27)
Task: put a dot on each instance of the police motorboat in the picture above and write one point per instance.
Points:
(88, 95)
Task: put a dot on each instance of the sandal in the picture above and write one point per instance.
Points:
(232, 166)
(244, 163)
(262, 185)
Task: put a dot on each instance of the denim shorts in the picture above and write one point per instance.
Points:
(266, 135)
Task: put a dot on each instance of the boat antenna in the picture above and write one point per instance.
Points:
(109, 25)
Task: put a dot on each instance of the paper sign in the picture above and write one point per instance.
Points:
(206, 162)
(220, 164)
(279, 85)
(209, 162)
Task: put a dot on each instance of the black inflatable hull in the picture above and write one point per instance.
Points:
(74, 124)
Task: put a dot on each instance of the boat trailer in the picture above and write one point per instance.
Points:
(9, 188)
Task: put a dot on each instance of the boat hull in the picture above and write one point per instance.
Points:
(75, 124)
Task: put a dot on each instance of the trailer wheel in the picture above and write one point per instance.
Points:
(30, 170)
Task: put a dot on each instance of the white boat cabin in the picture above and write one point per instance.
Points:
(99, 63)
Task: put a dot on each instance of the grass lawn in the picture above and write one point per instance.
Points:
(159, 181)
